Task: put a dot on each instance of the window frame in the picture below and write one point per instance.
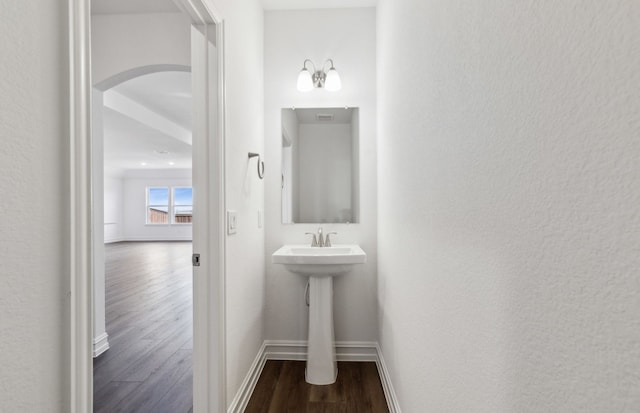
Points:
(170, 206)
(148, 205)
(173, 205)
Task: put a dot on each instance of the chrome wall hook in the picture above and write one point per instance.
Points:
(260, 164)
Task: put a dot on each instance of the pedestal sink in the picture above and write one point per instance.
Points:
(320, 264)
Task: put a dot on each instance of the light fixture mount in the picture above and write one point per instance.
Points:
(321, 78)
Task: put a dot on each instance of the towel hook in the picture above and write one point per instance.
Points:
(260, 164)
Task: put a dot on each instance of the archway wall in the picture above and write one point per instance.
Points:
(129, 45)
(125, 46)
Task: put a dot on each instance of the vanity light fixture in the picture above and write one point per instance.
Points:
(329, 80)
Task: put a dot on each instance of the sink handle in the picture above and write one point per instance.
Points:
(314, 241)
(327, 240)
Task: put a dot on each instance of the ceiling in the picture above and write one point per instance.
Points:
(133, 6)
(166, 93)
(315, 4)
(148, 131)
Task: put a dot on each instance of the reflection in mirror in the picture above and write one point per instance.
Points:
(320, 165)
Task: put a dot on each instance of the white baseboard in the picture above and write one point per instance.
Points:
(387, 386)
(240, 401)
(297, 350)
(170, 238)
(145, 239)
(100, 344)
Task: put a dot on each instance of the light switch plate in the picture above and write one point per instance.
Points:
(232, 222)
(259, 218)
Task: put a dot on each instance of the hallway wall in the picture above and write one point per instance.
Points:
(509, 191)
(244, 129)
(34, 241)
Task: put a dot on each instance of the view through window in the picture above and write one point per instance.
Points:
(169, 205)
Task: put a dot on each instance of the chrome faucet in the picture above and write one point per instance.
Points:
(319, 240)
(327, 240)
(314, 240)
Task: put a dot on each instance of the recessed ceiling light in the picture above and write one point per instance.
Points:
(143, 163)
(172, 163)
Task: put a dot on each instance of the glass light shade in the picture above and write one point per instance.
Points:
(305, 84)
(333, 82)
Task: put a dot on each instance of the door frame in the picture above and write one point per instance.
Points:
(209, 375)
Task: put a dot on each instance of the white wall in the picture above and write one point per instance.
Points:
(34, 242)
(348, 37)
(123, 42)
(244, 191)
(100, 336)
(325, 179)
(135, 184)
(509, 186)
(113, 209)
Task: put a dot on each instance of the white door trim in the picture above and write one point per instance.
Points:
(209, 361)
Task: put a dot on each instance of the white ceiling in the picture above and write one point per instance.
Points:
(132, 6)
(315, 4)
(166, 93)
(132, 138)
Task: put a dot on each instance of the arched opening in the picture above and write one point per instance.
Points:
(142, 229)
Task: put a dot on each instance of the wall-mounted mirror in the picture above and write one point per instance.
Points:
(320, 165)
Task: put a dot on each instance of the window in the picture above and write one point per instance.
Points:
(165, 202)
(157, 205)
(182, 205)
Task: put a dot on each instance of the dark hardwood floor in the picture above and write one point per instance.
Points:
(148, 367)
(282, 389)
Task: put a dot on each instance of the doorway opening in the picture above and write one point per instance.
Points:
(143, 213)
(205, 31)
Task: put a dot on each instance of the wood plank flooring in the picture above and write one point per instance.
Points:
(148, 367)
(282, 389)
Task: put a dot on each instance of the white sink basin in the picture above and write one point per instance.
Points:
(319, 261)
(320, 264)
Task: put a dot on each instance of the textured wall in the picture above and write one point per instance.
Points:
(509, 204)
(348, 37)
(244, 191)
(33, 183)
(122, 42)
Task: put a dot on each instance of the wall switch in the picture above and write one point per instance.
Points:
(259, 218)
(232, 222)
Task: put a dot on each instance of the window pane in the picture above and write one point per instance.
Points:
(158, 196)
(182, 196)
(158, 215)
(182, 214)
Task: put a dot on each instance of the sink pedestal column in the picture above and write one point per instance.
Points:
(322, 367)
